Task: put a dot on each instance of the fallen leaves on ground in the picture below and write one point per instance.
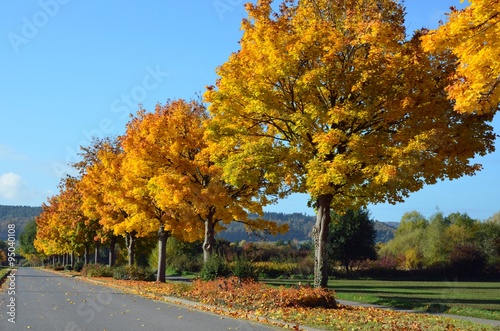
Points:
(295, 306)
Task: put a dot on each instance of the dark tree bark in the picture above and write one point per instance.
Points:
(130, 239)
(209, 242)
(97, 245)
(162, 253)
(112, 255)
(86, 254)
(320, 236)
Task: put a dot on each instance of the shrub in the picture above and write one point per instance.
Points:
(68, 267)
(96, 270)
(467, 261)
(275, 269)
(78, 265)
(133, 273)
(58, 267)
(214, 268)
(244, 269)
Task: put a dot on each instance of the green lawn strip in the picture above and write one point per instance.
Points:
(474, 299)
(3, 272)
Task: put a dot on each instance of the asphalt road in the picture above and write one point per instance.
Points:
(45, 301)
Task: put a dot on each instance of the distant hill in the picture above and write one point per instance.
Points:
(300, 226)
(18, 215)
(385, 231)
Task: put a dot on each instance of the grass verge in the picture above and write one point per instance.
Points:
(3, 272)
(473, 299)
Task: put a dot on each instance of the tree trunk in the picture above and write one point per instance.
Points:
(320, 236)
(346, 265)
(162, 253)
(209, 242)
(72, 259)
(112, 255)
(97, 245)
(86, 255)
(130, 243)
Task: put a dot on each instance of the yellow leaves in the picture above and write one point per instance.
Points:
(386, 173)
(472, 34)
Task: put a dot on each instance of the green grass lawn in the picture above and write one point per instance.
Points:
(3, 272)
(476, 299)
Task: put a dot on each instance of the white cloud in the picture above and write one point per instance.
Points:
(11, 186)
(14, 190)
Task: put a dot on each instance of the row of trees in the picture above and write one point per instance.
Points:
(158, 178)
(455, 241)
(324, 97)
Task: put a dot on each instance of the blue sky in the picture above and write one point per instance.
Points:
(74, 69)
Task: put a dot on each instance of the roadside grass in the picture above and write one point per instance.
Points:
(473, 299)
(3, 271)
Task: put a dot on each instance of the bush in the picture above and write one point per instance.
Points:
(244, 269)
(133, 273)
(467, 261)
(68, 267)
(96, 270)
(214, 268)
(57, 267)
(275, 269)
(78, 265)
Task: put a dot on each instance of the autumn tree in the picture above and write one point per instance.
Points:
(167, 150)
(61, 227)
(107, 198)
(329, 98)
(99, 180)
(473, 36)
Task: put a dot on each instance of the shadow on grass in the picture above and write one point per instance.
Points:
(416, 288)
(438, 305)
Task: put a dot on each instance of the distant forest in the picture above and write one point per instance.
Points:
(18, 215)
(300, 225)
